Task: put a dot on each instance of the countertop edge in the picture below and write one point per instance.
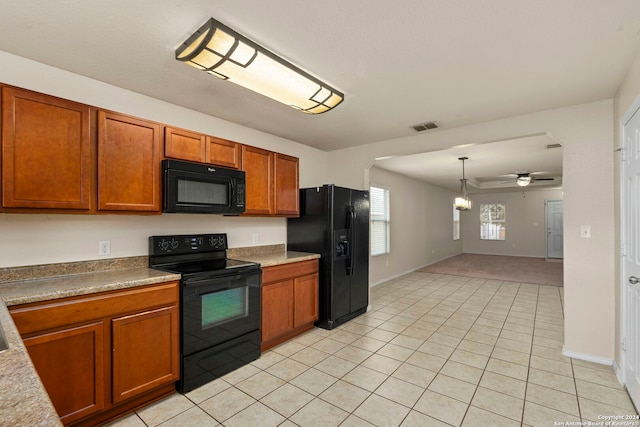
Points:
(23, 399)
(270, 259)
(51, 288)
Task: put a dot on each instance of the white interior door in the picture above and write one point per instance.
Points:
(630, 171)
(554, 212)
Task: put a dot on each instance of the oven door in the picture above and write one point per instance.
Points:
(219, 308)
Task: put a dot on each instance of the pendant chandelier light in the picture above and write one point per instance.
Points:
(226, 54)
(462, 202)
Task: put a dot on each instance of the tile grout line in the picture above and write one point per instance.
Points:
(484, 370)
(526, 384)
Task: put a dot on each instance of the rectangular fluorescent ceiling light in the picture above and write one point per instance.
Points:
(224, 53)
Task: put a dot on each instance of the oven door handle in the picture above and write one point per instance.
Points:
(190, 283)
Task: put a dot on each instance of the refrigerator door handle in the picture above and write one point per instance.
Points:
(353, 243)
(351, 222)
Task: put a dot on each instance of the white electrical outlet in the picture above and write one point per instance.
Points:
(256, 238)
(104, 247)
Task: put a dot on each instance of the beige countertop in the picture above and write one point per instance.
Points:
(269, 259)
(23, 400)
(48, 288)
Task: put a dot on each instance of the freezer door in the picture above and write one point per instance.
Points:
(359, 292)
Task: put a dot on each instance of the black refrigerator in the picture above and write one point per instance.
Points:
(334, 222)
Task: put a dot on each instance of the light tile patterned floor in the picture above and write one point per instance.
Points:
(434, 350)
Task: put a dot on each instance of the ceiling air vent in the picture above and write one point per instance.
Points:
(550, 146)
(425, 126)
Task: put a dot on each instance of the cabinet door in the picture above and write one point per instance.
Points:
(71, 365)
(258, 165)
(184, 145)
(46, 152)
(223, 153)
(145, 351)
(129, 177)
(306, 299)
(277, 309)
(286, 185)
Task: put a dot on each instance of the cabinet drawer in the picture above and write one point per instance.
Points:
(287, 271)
(63, 312)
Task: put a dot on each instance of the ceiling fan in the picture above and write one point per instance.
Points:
(526, 178)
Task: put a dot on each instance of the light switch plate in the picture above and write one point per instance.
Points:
(585, 231)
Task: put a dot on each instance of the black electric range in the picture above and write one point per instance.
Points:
(220, 305)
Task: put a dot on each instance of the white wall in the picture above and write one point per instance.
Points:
(628, 92)
(586, 134)
(525, 223)
(585, 131)
(421, 226)
(41, 239)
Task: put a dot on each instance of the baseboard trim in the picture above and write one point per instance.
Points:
(587, 357)
(395, 276)
(618, 372)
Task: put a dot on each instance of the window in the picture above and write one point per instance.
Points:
(492, 221)
(379, 220)
(456, 223)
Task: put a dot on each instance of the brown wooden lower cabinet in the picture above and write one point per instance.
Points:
(71, 365)
(289, 301)
(102, 355)
(141, 361)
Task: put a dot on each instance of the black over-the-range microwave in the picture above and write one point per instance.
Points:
(199, 188)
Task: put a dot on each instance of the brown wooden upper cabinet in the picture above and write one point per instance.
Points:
(64, 156)
(46, 152)
(286, 185)
(272, 182)
(184, 145)
(194, 147)
(129, 155)
(223, 153)
(258, 166)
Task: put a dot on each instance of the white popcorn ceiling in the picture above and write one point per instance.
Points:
(399, 63)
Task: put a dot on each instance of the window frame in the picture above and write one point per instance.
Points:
(456, 223)
(385, 220)
(500, 225)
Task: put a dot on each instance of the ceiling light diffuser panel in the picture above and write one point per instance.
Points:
(224, 53)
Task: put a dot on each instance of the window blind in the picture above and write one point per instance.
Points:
(379, 217)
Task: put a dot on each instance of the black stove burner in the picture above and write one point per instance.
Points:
(193, 254)
(208, 266)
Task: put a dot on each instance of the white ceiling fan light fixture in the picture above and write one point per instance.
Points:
(523, 181)
(462, 202)
(227, 54)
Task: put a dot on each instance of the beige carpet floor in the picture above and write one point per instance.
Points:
(509, 268)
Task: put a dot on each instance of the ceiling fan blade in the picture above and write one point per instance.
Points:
(542, 179)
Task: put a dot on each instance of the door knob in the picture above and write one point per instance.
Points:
(634, 280)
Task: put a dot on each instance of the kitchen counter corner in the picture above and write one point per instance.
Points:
(23, 400)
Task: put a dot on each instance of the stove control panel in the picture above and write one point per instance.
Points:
(187, 243)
